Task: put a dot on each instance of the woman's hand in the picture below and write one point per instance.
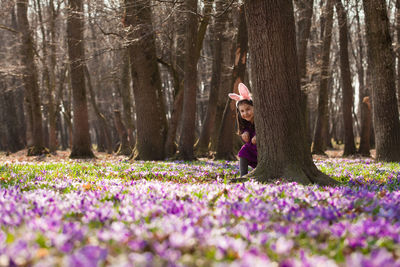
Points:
(246, 137)
(253, 140)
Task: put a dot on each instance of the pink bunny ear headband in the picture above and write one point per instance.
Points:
(244, 94)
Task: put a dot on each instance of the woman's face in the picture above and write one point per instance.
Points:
(246, 112)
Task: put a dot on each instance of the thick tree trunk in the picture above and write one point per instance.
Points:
(281, 135)
(187, 135)
(10, 117)
(202, 148)
(381, 60)
(321, 127)
(347, 89)
(226, 131)
(30, 79)
(81, 144)
(149, 103)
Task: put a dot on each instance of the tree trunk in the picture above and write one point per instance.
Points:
(202, 147)
(347, 89)
(303, 32)
(127, 99)
(321, 127)
(187, 135)
(81, 146)
(104, 125)
(30, 79)
(398, 50)
(151, 119)
(281, 135)
(226, 131)
(366, 121)
(364, 108)
(384, 101)
(124, 148)
(170, 146)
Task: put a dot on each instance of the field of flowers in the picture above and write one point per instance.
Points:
(112, 212)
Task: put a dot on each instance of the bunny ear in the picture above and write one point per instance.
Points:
(234, 97)
(244, 91)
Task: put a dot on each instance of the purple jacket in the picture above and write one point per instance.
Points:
(249, 150)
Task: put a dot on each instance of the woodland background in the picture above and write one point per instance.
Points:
(116, 71)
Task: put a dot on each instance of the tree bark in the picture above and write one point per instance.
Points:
(226, 131)
(151, 119)
(187, 134)
(81, 144)
(281, 135)
(347, 89)
(30, 79)
(321, 127)
(381, 60)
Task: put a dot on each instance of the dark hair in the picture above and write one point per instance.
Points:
(242, 123)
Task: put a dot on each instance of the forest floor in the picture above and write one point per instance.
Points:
(63, 155)
(114, 212)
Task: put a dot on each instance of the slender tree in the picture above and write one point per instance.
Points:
(303, 33)
(209, 121)
(398, 49)
(381, 61)
(226, 131)
(321, 127)
(347, 88)
(281, 136)
(81, 145)
(30, 79)
(187, 135)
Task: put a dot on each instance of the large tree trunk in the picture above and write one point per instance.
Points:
(30, 79)
(281, 135)
(321, 127)
(81, 144)
(202, 147)
(226, 131)
(151, 119)
(187, 135)
(384, 101)
(347, 89)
